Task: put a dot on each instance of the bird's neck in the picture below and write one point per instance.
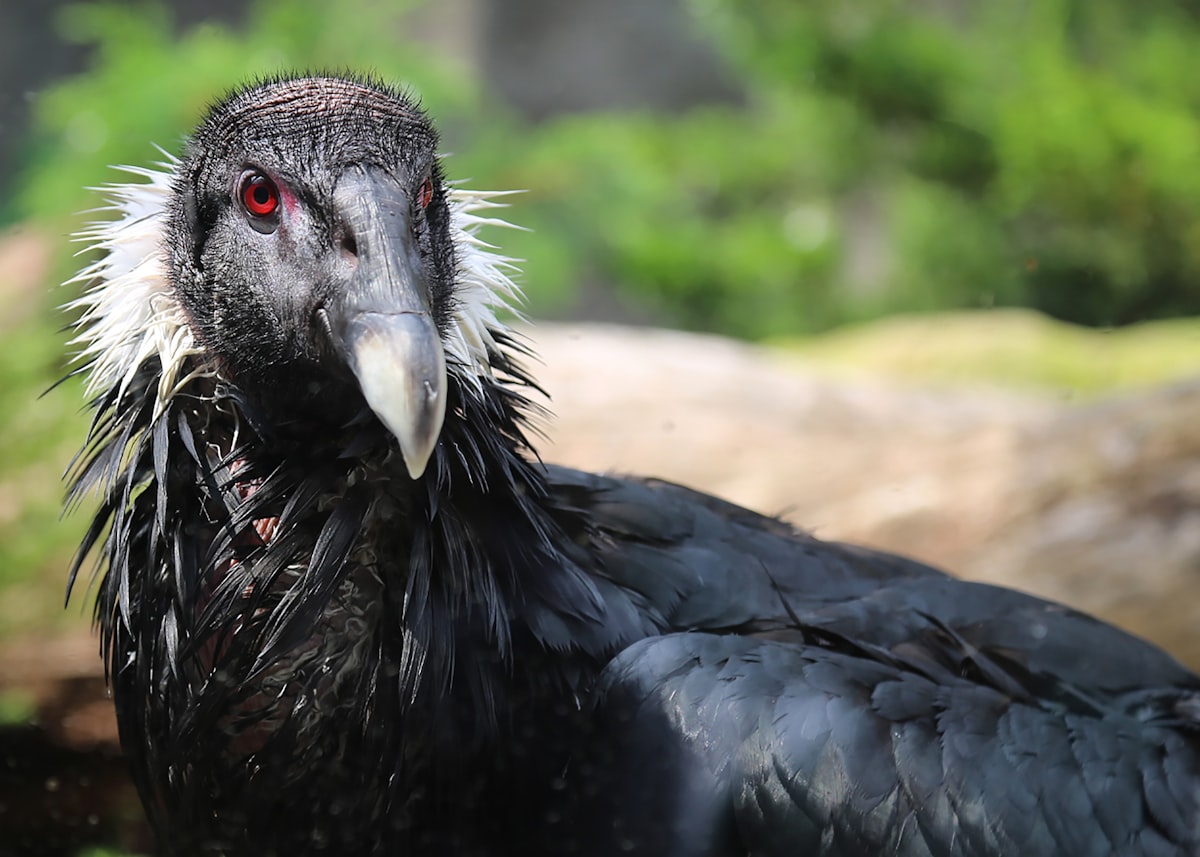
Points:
(453, 550)
(203, 450)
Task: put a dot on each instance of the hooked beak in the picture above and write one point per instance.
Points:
(382, 324)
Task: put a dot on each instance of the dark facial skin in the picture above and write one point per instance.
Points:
(263, 250)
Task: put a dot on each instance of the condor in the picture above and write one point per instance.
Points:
(346, 610)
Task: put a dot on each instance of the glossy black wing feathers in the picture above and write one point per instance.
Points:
(821, 699)
(821, 752)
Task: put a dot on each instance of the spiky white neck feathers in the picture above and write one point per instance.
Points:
(130, 314)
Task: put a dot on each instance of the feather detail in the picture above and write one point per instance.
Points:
(129, 315)
(486, 288)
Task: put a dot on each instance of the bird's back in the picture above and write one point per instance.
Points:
(812, 697)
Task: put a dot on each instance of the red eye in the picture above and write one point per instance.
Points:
(259, 195)
(425, 194)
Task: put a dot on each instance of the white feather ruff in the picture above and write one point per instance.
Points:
(485, 288)
(129, 312)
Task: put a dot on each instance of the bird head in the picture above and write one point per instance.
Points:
(307, 249)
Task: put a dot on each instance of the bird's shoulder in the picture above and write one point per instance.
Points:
(692, 562)
(803, 691)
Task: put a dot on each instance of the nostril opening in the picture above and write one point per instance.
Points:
(344, 256)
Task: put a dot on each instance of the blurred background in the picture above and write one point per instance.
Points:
(923, 275)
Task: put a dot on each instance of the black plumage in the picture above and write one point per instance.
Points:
(346, 610)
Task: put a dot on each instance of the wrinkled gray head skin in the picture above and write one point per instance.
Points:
(310, 247)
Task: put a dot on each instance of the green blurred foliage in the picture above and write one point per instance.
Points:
(1017, 349)
(707, 227)
(1034, 154)
(37, 439)
(888, 156)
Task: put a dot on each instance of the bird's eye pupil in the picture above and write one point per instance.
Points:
(260, 196)
(425, 194)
